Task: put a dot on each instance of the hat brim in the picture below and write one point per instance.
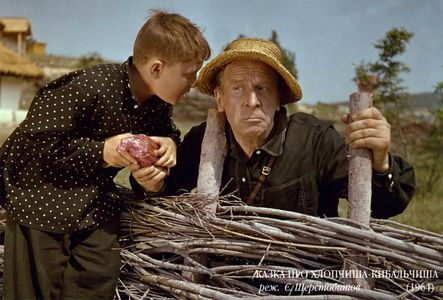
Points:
(206, 81)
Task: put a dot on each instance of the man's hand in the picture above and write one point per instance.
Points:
(369, 129)
(167, 152)
(150, 178)
(113, 158)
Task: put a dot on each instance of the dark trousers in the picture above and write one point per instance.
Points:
(43, 265)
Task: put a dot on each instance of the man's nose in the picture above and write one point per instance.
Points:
(252, 100)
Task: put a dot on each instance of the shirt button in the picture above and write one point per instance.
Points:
(258, 152)
(243, 179)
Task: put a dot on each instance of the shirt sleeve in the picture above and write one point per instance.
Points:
(54, 129)
(391, 192)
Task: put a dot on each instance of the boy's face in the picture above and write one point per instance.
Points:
(175, 80)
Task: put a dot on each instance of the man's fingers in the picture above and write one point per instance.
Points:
(373, 143)
(345, 118)
(361, 134)
(379, 125)
(368, 113)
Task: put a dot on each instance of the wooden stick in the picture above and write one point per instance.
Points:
(359, 184)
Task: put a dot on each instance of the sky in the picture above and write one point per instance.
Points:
(328, 37)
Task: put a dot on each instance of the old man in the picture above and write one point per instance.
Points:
(292, 162)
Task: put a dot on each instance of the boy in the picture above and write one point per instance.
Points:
(58, 166)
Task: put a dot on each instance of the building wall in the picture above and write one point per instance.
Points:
(10, 42)
(36, 48)
(10, 92)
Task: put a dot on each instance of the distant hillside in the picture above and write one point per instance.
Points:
(60, 61)
(421, 100)
(427, 100)
(194, 107)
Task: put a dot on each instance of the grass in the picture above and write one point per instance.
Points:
(425, 211)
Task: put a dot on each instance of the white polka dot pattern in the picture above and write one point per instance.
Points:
(51, 164)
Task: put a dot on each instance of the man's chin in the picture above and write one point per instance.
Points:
(254, 131)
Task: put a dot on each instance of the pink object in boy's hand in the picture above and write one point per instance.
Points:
(141, 147)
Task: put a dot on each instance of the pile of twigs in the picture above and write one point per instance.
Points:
(245, 252)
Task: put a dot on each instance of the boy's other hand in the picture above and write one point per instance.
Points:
(167, 152)
(150, 178)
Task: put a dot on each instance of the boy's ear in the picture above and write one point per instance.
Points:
(156, 68)
(218, 100)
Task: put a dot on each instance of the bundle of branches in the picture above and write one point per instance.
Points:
(254, 251)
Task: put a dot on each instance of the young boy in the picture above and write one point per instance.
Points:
(58, 166)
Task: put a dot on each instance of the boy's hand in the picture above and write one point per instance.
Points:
(150, 178)
(369, 129)
(167, 152)
(113, 158)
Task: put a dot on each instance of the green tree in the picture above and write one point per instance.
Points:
(288, 56)
(384, 77)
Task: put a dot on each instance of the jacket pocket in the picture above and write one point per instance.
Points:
(292, 196)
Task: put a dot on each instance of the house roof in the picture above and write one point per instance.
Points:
(15, 25)
(17, 65)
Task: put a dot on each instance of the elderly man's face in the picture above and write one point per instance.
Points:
(248, 94)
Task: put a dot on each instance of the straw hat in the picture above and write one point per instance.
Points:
(251, 49)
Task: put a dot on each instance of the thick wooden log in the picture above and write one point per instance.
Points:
(212, 157)
(359, 189)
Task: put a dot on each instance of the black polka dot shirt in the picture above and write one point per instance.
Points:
(51, 174)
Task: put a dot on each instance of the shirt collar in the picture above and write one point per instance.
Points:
(126, 66)
(273, 144)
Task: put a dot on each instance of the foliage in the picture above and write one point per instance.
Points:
(383, 76)
(387, 68)
(288, 58)
(89, 60)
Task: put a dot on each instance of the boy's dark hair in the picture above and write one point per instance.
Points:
(171, 37)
